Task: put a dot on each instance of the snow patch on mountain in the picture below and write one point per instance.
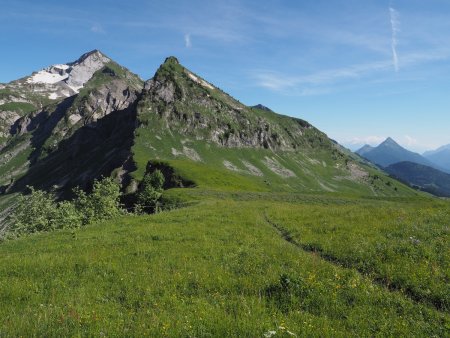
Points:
(200, 81)
(47, 77)
(64, 80)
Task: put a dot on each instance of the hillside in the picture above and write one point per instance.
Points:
(237, 265)
(423, 177)
(70, 141)
(217, 142)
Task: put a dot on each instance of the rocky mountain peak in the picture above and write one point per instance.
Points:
(172, 59)
(83, 69)
(93, 54)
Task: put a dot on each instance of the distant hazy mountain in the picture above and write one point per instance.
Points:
(426, 178)
(390, 152)
(440, 157)
(365, 149)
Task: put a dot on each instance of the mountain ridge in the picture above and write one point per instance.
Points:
(117, 124)
(425, 178)
(440, 157)
(389, 152)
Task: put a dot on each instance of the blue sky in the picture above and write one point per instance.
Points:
(358, 70)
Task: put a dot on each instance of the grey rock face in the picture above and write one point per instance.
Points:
(161, 90)
(82, 70)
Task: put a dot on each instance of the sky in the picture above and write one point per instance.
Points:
(359, 70)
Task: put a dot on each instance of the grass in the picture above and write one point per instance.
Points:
(20, 107)
(219, 268)
(401, 246)
(314, 169)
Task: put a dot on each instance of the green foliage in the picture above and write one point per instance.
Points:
(34, 213)
(19, 107)
(101, 203)
(39, 211)
(150, 192)
(68, 216)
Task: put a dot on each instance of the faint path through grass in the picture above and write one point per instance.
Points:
(380, 281)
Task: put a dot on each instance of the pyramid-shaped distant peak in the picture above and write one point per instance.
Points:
(390, 142)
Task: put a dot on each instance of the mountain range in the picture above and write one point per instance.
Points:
(389, 152)
(70, 123)
(420, 171)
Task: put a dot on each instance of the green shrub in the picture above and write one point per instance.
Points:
(149, 193)
(101, 203)
(34, 212)
(67, 216)
(39, 210)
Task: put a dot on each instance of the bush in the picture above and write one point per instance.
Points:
(149, 193)
(101, 203)
(34, 212)
(39, 210)
(67, 216)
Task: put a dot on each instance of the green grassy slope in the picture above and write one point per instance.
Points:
(219, 143)
(221, 268)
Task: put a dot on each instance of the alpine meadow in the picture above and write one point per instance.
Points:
(168, 208)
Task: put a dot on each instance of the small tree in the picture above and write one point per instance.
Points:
(102, 203)
(149, 193)
(34, 212)
(67, 216)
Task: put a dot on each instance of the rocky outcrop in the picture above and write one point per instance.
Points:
(7, 119)
(112, 96)
(186, 102)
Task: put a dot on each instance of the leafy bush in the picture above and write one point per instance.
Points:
(67, 216)
(101, 203)
(39, 210)
(149, 193)
(34, 212)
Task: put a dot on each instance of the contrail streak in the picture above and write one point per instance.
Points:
(395, 28)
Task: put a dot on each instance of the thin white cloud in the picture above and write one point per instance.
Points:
(97, 28)
(395, 28)
(409, 141)
(312, 84)
(187, 41)
(280, 82)
(372, 140)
